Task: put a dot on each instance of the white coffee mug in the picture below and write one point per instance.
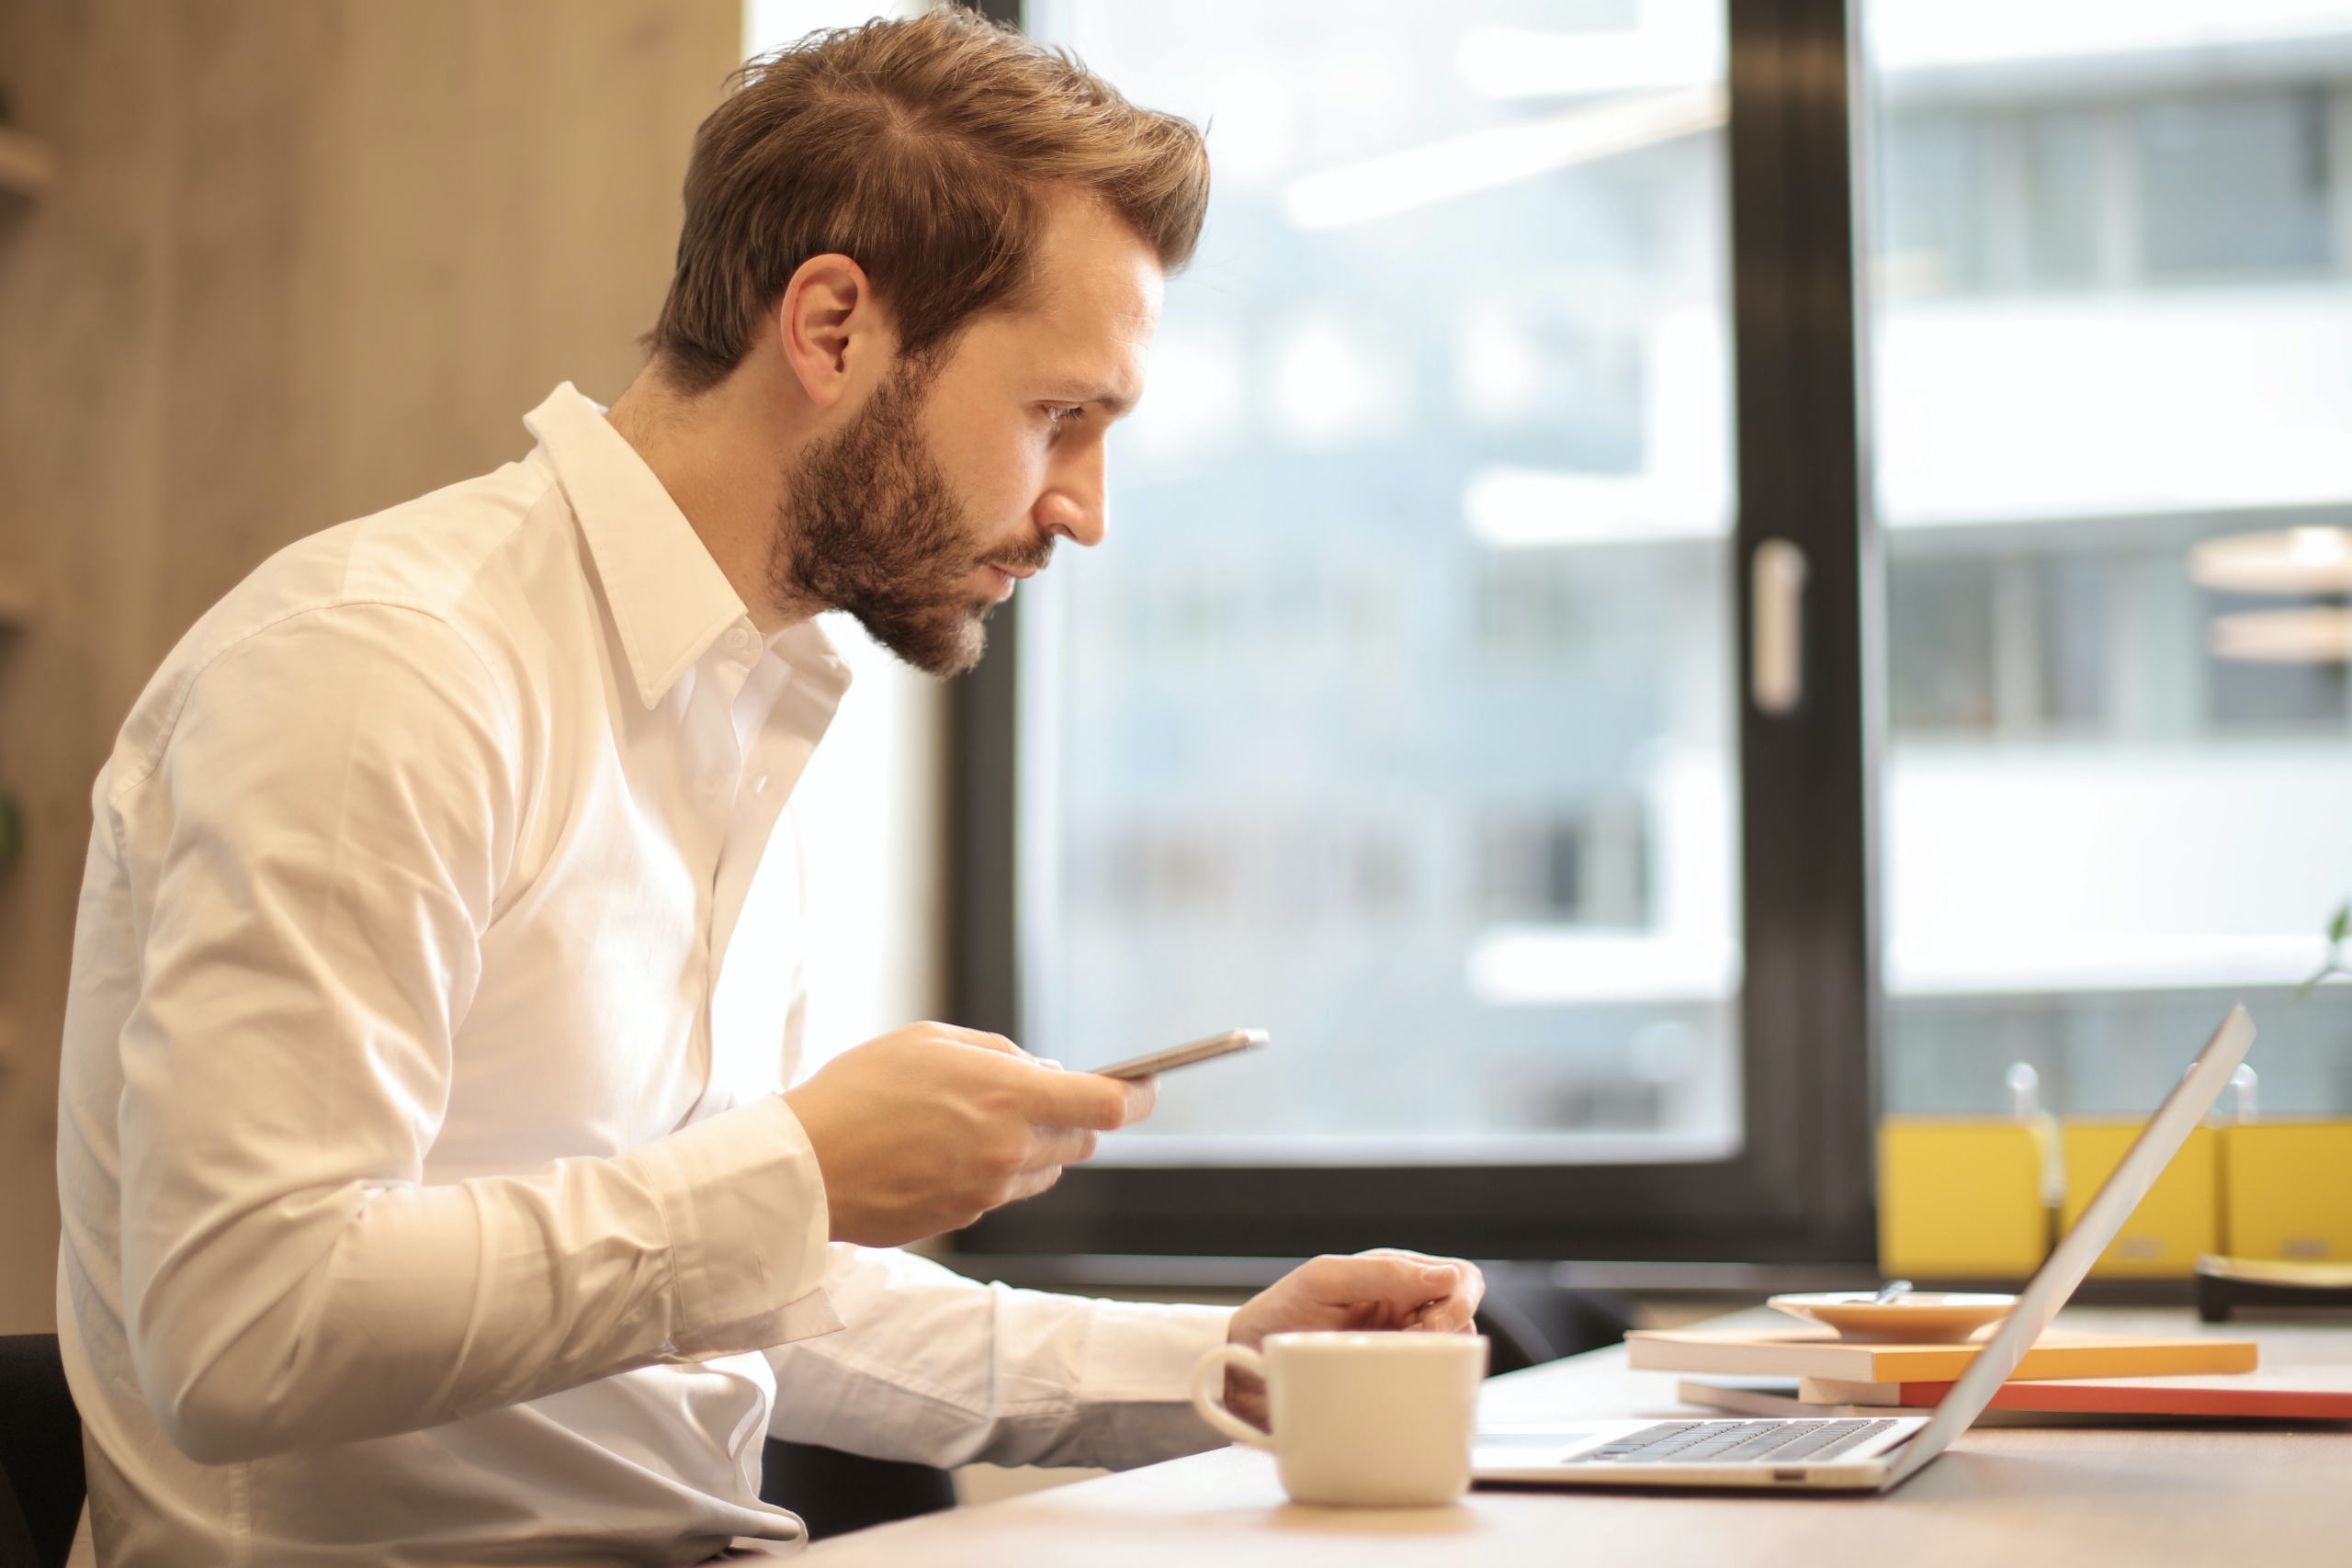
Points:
(1362, 1418)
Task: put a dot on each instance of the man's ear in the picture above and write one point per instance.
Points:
(829, 323)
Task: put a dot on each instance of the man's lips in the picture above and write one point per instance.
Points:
(1006, 576)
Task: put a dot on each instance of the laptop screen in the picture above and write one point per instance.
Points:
(2055, 1281)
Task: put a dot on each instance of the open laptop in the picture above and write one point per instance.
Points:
(1861, 1454)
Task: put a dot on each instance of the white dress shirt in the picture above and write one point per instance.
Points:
(428, 1196)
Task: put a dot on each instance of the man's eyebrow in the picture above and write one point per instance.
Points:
(1113, 404)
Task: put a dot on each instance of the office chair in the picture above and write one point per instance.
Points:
(40, 1454)
(1528, 1320)
(835, 1492)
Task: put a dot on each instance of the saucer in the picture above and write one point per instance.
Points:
(1920, 1317)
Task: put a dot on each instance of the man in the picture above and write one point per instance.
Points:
(433, 1191)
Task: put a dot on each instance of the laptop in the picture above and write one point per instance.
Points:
(1862, 1454)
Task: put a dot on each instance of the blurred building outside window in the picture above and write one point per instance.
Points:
(1395, 715)
(2112, 302)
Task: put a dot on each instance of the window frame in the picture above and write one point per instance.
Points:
(1801, 1191)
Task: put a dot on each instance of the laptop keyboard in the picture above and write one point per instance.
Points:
(1718, 1442)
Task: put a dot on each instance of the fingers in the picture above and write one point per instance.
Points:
(1385, 1290)
(1057, 1147)
(1455, 1313)
(932, 1123)
(1398, 1278)
(1410, 1289)
(1089, 1099)
(1030, 1183)
(1051, 1148)
(1071, 1099)
(1470, 1286)
(979, 1037)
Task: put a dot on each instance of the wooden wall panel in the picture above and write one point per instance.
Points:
(303, 260)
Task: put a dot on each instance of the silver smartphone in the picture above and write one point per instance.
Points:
(1224, 1045)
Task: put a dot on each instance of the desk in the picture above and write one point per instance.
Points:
(2270, 1494)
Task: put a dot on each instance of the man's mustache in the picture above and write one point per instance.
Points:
(1034, 555)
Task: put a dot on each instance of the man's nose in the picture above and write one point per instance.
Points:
(1076, 504)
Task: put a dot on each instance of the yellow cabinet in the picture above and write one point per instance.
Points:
(2287, 1191)
(2180, 1220)
(1960, 1198)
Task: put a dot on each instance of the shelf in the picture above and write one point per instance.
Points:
(26, 165)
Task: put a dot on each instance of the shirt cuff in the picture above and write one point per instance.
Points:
(744, 1204)
(1144, 1353)
(1135, 1389)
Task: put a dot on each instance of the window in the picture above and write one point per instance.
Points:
(2111, 315)
(1403, 715)
(2101, 182)
(1398, 718)
(1411, 713)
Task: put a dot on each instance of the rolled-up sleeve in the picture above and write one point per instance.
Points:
(310, 922)
(941, 1370)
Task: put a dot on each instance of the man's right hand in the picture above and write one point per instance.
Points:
(930, 1126)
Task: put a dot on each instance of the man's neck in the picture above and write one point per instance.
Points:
(721, 455)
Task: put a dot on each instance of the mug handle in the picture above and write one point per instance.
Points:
(1208, 1384)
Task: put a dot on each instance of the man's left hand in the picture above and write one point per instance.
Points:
(1382, 1288)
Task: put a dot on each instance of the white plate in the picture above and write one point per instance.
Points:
(1919, 1317)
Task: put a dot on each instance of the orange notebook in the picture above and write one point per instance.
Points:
(1818, 1353)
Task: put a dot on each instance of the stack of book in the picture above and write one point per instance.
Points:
(1811, 1372)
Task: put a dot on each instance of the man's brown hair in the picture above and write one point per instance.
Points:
(922, 151)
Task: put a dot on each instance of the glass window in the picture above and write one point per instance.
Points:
(2113, 376)
(2235, 184)
(1395, 715)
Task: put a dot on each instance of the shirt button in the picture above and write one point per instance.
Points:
(739, 638)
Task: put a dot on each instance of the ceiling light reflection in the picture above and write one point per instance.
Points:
(2286, 560)
(1381, 188)
(2317, 634)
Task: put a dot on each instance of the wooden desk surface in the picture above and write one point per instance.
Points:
(2268, 1493)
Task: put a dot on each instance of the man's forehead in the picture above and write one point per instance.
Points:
(1073, 359)
(1086, 253)
(1085, 328)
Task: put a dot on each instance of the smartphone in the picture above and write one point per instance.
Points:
(1224, 1045)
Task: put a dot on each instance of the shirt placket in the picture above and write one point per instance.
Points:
(782, 697)
(778, 717)
(716, 744)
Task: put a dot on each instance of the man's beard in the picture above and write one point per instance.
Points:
(869, 524)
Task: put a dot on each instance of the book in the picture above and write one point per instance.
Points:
(2322, 1393)
(1818, 1353)
(1778, 1397)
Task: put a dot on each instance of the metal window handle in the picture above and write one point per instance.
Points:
(1776, 626)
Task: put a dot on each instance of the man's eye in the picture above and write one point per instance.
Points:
(1061, 416)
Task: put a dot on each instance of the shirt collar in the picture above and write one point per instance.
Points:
(816, 665)
(669, 600)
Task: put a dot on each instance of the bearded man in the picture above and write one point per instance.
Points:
(434, 1192)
